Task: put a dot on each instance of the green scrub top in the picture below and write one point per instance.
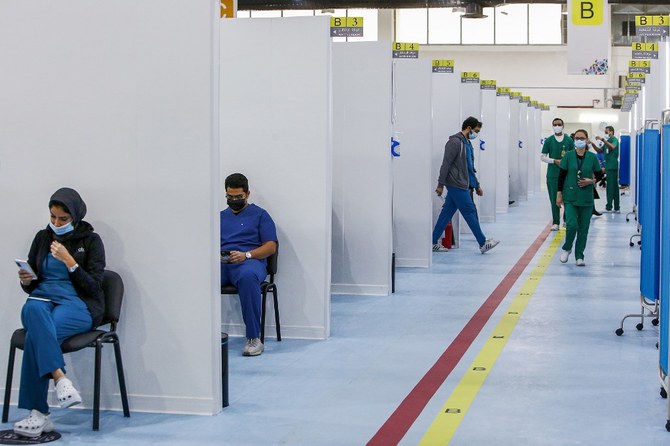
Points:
(556, 150)
(612, 155)
(572, 193)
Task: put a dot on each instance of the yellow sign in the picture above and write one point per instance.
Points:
(488, 83)
(515, 95)
(633, 85)
(588, 12)
(346, 22)
(639, 46)
(470, 74)
(503, 90)
(534, 103)
(651, 20)
(525, 99)
(637, 75)
(639, 63)
(228, 10)
(397, 46)
(443, 63)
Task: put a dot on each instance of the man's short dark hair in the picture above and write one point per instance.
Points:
(557, 119)
(236, 181)
(610, 128)
(471, 122)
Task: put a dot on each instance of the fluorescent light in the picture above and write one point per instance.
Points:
(598, 116)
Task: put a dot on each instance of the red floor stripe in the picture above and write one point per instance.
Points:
(395, 428)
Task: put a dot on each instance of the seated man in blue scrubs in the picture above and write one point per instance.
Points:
(248, 237)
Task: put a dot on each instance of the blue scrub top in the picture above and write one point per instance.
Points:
(247, 230)
(472, 178)
(55, 284)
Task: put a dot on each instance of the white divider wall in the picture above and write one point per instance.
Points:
(537, 149)
(514, 151)
(447, 121)
(486, 151)
(276, 121)
(652, 87)
(118, 102)
(471, 105)
(412, 174)
(523, 151)
(532, 150)
(503, 148)
(362, 169)
(664, 61)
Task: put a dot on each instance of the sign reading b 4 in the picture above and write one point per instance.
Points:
(588, 12)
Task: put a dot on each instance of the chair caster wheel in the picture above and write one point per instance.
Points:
(627, 219)
(667, 426)
(639, 327)
(632, 244)
(639, 242)
(619, 331)
(664, 394)
(654, 322)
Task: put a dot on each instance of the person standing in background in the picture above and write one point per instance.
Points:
(611, 149)
(554, 149)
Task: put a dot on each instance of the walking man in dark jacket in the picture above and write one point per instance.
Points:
(458, 175)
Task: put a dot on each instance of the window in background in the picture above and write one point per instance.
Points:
(243, 14)
(411, 25)
(266, 14)
(370, 24)
(444, 26)
(333, 13)
(512, 24)
(544, 24)
(297, 12)
(478, 31)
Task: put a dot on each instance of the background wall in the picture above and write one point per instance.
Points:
(362, 169)
(276, 129)
(117, 101)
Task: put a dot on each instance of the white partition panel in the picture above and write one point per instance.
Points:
(447, 121)
(531, 152)
(471, 105)
(487, 151)
(536, 150)
(503, 148)
(362, 169)
(276, 127)
(116, 101)
(514, 151)
(652, 87)
(664, 61)
(523, 151)
(412, 175)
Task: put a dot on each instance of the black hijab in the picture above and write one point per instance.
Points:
(72, 201)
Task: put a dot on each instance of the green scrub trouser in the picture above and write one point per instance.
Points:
(552, 187)
(612, 189)
(577, 221)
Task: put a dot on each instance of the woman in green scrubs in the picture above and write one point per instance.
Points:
(575, 190)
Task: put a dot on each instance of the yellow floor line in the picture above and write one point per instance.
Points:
(445, 424)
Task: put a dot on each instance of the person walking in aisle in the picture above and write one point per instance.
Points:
(611, 150)
(575, 189)
(457, 173)
(554, 149)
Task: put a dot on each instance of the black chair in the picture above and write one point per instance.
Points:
(268, 286)
(112, 286)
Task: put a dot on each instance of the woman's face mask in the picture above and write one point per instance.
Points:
(580, 144)
(61, 221)
(558, 129)
(61, 230)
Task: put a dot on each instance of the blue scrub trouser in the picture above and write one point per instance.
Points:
(247, 278)
(458, 199)
(47, 325)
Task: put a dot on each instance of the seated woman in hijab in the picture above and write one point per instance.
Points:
(64, 299)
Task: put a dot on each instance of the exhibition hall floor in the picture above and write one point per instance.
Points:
(562, 378)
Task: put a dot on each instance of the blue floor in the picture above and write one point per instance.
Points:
(564, 377)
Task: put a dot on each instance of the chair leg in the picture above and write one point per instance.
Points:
(276, 302)
(8, 384)
(264, 293)
(96, 386)
(122, 379)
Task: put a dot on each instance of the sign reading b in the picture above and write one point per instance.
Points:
(588, 12)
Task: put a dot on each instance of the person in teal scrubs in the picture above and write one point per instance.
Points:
(611, 150)
(576, 180)
(554, 149)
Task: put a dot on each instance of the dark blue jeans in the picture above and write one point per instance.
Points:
(247, 278)
(458, 199)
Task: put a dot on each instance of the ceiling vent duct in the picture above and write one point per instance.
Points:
(473, 11)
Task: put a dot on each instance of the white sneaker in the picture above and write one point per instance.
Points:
(439, 248)
(488, 245)
(565, 255)
(34, 425)
(66, 393)
(563, 225)
(580, 262)
(254, 347)
(554, 227)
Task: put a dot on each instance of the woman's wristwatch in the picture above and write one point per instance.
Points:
(74, 268)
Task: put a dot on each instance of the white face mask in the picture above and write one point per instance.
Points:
(558, 129)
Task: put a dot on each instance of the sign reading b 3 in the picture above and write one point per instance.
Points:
(588, 12)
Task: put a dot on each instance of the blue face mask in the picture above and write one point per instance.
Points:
(61, 230)
(579, 144)
(473, 135)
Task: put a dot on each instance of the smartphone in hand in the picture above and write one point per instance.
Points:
(24, 265)
(225, 256)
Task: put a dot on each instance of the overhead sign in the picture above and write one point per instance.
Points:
(645, 50)
(636, 77)
(589, 37)
(515, 95)
(502, 91)
(443, 66)
(405, 50)
(639, 66)
(487, 85)
(652, 25)
(525, 100)
(470, 77)
(346, 27)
